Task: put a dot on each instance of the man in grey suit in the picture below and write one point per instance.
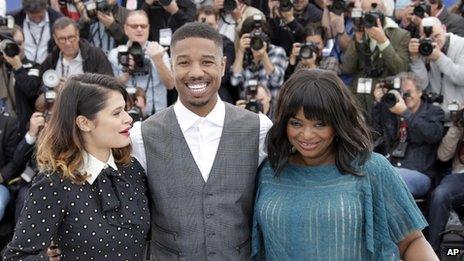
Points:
(201, 156)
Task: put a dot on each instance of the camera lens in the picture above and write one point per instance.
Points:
(370, 20)
(10, 48)
(426, 47)
(256, 43)
(419, 11)
(306, 52)
(389, 100)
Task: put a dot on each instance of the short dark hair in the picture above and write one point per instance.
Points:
(34, 6)
(315, 29)
(322, 96)
(61, 143)
(197, 30)
(249, 24)
(207, 10)
(62, 23)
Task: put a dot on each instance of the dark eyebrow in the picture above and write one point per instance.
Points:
(118, 108)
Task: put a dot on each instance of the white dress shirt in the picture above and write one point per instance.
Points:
(202, 135)
(36, 50)
(93, 166)
(66, 68)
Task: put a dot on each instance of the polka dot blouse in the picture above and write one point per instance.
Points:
(108, 220)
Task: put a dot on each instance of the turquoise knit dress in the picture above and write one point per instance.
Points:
(317, 213)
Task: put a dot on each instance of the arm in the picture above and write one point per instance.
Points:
(278, 60)
(350, 58)
(418, 67)
(29, 85)
(10, 141)
(184, 13)
(426, 128)
(449, 143)
(103, 64)
(164, 72)
(452, 69)
(397, 56)
(415, 247)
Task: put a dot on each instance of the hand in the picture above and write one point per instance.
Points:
(337, 23)
(414, 48)
(436, 53)
(241, 104)
(15, 61)
(36, 123)
(408, 13)
(273, 6)
(295, 53)
(244, 43)
(379, 92)
(105, 18)
(377, 33)
(172, 8)
(60, 85)
(155, 50)
(218, 5)
(261, 53)
(400, 106)
(237, 12)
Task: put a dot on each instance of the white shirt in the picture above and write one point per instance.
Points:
(66, 68)
(202, 135)
(94, 166)
(36, 50)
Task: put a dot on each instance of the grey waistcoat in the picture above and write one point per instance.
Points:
(193, 219)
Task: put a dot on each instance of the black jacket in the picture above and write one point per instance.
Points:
(95, 60)
(8, 142)
(424, 133)
(160, 18)
(20, 15)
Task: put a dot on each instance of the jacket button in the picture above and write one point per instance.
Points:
(211, 253)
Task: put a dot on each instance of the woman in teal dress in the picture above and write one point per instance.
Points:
(323, 194)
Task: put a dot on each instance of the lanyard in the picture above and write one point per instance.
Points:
(150, 79)
(97, 32)
(35, 40)
(63, 74)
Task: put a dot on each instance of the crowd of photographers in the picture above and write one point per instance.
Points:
(404, 61)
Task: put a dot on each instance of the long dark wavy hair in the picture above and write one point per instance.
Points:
(323, 96)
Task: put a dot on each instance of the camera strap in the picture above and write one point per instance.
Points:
(36, 43)
(150, 79)
(101, 36)
(402, 130)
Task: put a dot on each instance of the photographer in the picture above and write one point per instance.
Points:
(309, 54)
(408, 130)
(22, 77)
(287, 20)
(256, 58)
(102, 25)
(36, 19)
(166, 16)
(207, 14)
(378, 49)
(438, 58)
(449, 192)
(143, 64)
(258, 99)
(74, 55)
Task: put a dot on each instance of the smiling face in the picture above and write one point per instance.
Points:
(137, 28)
(313, 139)
(110, 128)
(197, 67)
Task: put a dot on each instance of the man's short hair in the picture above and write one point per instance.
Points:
(136, 12)
(416, 80)
(197, 30)
(34, 6)
(207, 10)
(62, 23)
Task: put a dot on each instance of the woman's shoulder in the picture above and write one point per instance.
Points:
(379, 168)
(134, 167)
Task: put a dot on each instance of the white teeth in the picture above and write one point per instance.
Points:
(197, 86)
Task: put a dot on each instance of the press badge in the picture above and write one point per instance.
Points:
(364, 86)
(165, 36)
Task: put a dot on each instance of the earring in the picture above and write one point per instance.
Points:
(292, 150)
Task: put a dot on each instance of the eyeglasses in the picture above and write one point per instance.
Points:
(71, 39)
(135, 26)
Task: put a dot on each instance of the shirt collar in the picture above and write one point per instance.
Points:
(92, 166)
(187, 118)
(78, 58)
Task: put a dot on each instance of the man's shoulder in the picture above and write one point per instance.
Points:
(159, 117)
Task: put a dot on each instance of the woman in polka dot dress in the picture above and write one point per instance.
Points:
(90, 197)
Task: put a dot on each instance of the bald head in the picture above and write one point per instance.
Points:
(438, 30)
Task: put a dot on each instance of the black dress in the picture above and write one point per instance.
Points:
(108, 220)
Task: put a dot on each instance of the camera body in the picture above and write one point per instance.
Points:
(257, 36)
(393, 89)
(307, 50)
(141, 64)
(285, 5)
(433, 97)
(338, 7)
(93, 6)
(456, 114)
(7, 44)
(426, 44)
(368, 20)
(252, 104)
(421, 9)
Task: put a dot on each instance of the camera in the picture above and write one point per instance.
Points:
(426, 44)
(135, 112)
(455, 113)
(307, 50)
(393, 89)
(370, 19)
(93, 6)
(338, 7)
(285, 5)
(421, 9)
(135, 50)
(51, 80)
(257, 36)
(433, 97)
(9, 47)
(252, 104)
(7, 44)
